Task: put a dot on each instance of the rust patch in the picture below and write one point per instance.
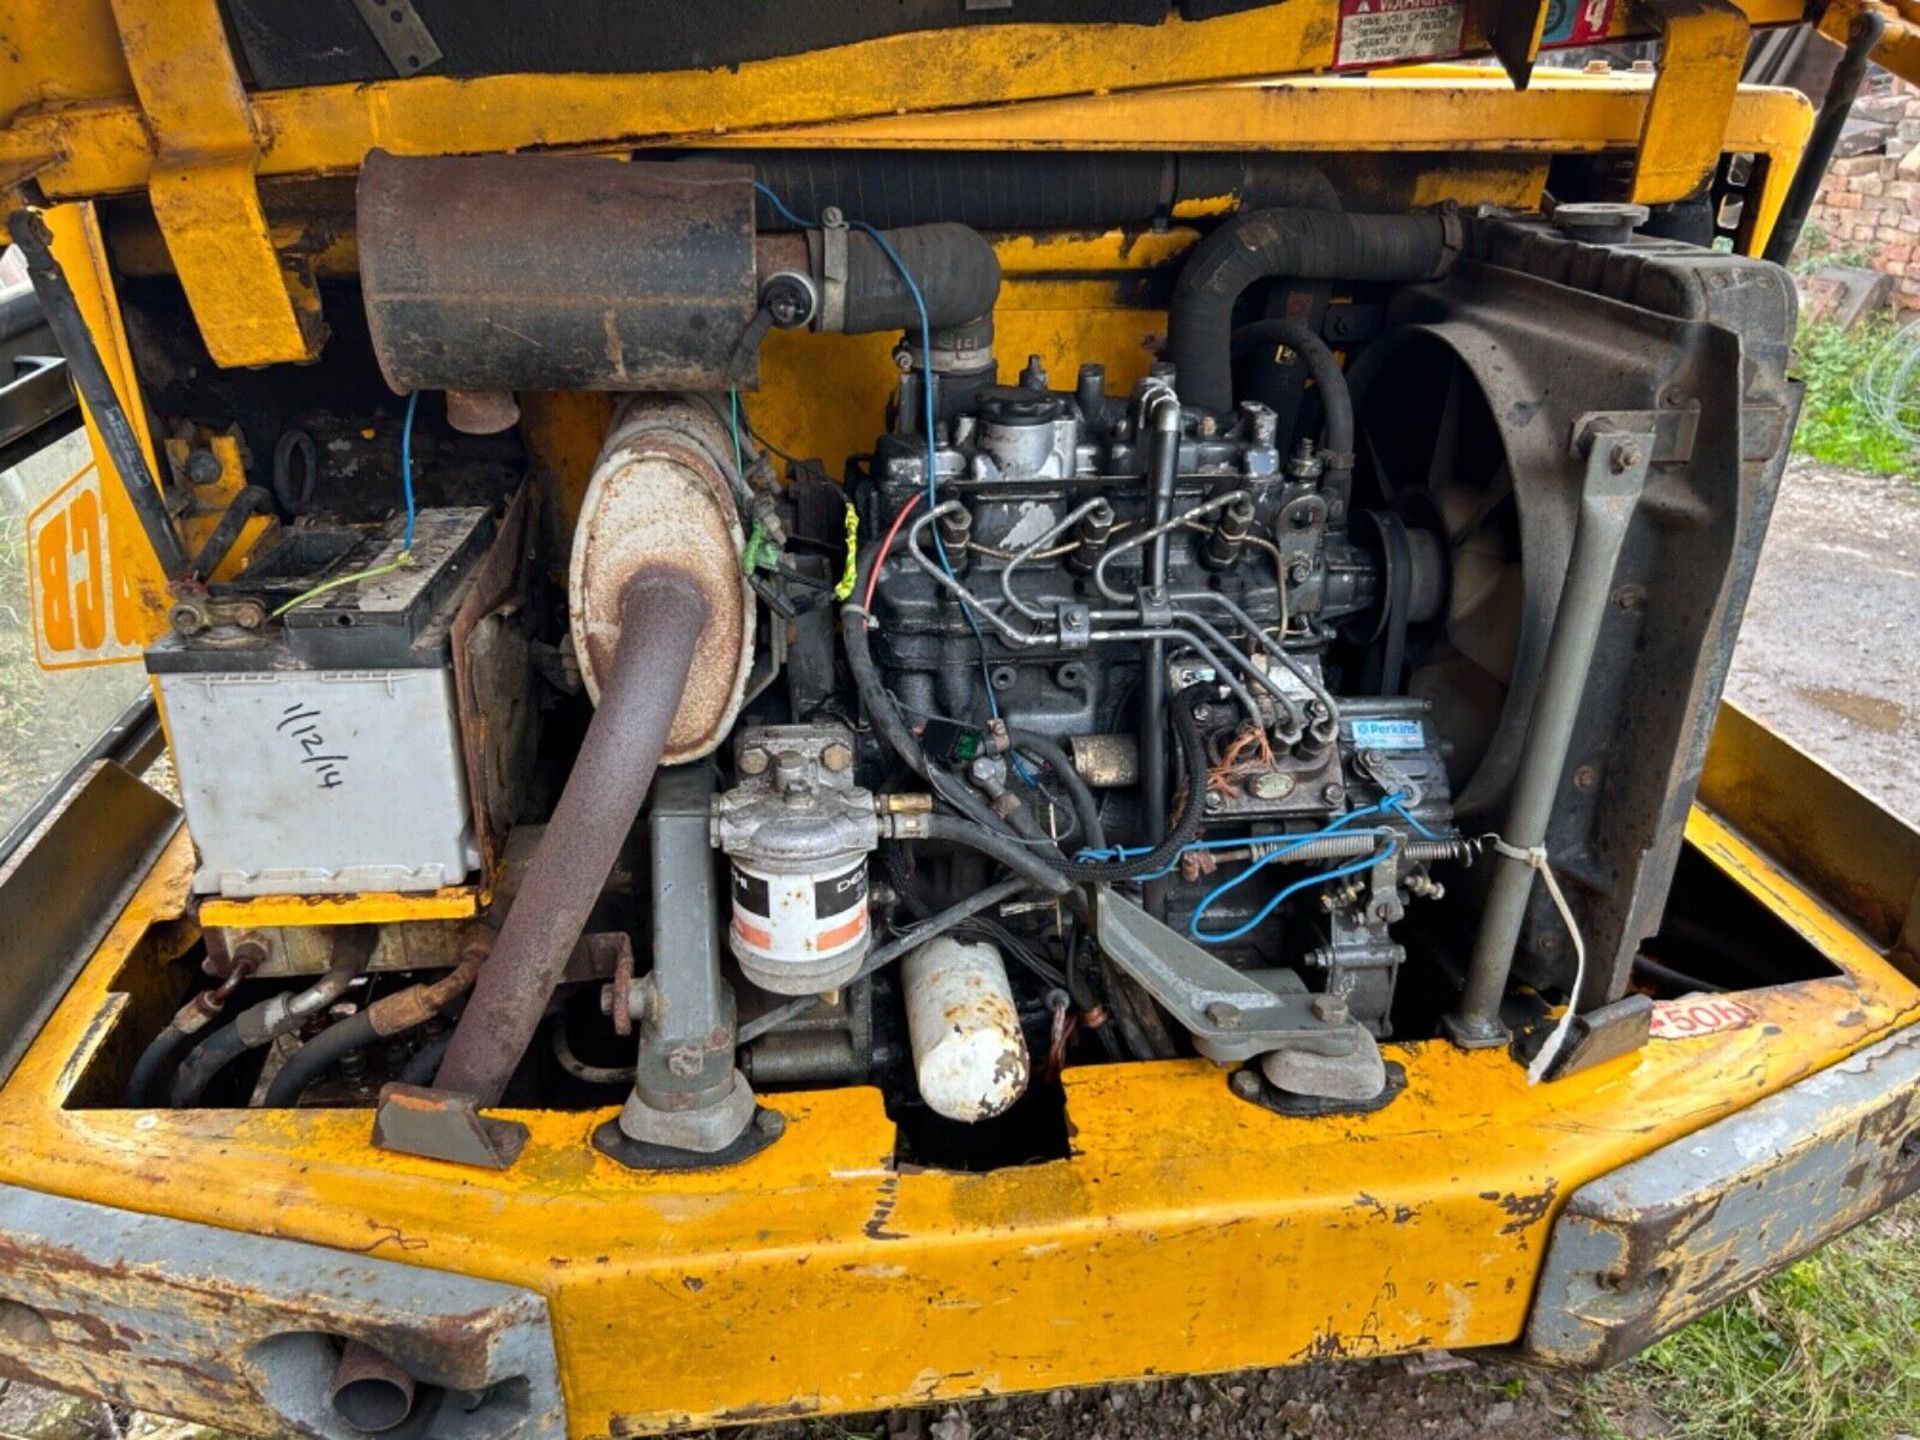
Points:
(1527, 1210)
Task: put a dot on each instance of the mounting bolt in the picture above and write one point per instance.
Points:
(1333, 794)
(1625, 455)
(1331, 1009)
(753, 761)
(1245, 1084)
(836, 757)
(1213, 800)
(1223, 1014)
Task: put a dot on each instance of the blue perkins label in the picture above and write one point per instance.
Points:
(1388, 735)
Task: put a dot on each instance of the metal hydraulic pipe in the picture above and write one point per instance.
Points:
(1163, 470)
(662, 614)
(1616, 474)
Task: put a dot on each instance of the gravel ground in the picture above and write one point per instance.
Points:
(1828, 654)
(1827, 657)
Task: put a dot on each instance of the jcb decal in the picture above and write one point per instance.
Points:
(79, 615)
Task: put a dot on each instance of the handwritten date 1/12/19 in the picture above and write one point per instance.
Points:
(303, 725)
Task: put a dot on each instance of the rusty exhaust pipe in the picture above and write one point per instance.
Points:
(370, 1392)
(662, 614)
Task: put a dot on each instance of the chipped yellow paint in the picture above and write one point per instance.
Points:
(818, 1278)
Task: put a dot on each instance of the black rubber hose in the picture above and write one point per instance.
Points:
(1328, 378)
(319, 1055)
(1193, 752)
(419, 1070)
(156, 1062)
(892, 728)
(1027, 190)
(1301, 244)
(208, 1059)
(1086, 807)
(1001, 848)
(954, 266)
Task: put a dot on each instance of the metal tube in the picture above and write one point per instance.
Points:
(1616, 474)
(662, 615)
(1863, 33)
(369, 1391)
(1163, 471)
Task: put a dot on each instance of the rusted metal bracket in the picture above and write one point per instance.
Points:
(438, 1125)
(1703, 48)
(254, 306)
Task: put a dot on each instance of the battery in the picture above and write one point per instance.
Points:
(321, 754)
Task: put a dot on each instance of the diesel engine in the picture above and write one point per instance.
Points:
(1327, 664)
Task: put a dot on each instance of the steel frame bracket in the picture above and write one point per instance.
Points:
(1703, 49)
(439, 1125)
(254, 306)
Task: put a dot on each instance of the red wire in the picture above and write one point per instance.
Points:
(893, 531)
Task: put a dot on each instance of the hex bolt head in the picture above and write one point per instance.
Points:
(1223, 1014)
(1333, 794)
(1624, 456)
(837, 757)
(753, 761)
(1245, 1084)
(1213, 800)
(1331, 1009)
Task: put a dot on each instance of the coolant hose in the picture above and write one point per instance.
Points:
(274, 1017)
(662, 614)
(1300, 244)
(1328, 378)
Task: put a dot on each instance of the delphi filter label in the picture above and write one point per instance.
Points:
(1391, 32)
(1388, 735)
(795, 916)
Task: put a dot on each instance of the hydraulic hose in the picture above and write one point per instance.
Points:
(1302, 244)
(390, 1015)
(1328, 378)
(1086, 807)
(271, 1018)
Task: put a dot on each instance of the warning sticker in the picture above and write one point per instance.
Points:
(1693, 1015)
(1576, 22)
(1392, 32)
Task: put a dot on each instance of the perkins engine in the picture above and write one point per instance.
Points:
(1328, 664)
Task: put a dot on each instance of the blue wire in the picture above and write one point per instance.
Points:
(406, 469)
(926, 396)
(1398, 804)
(1260, 916)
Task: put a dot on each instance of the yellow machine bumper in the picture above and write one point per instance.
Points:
(1189, 1231)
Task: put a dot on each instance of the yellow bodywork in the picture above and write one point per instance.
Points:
(1189, 1231)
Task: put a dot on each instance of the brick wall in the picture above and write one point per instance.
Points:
(1868, 213)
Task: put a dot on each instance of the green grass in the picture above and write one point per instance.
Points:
(1827, 1350)
(1836, 428)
